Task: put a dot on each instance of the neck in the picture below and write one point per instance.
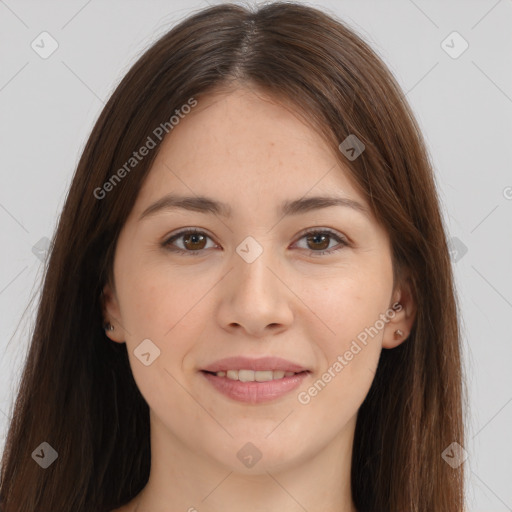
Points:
(182, 479)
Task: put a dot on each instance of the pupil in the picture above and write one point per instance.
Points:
(315, 237)
(194, 237)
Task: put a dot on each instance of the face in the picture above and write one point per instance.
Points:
(312, 286)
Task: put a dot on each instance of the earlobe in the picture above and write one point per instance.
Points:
(398, 336)
(110, 310)
(401, 322)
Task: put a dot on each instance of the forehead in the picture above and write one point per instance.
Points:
(246, 145)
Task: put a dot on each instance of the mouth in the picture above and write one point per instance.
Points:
(254, 381)
(254, 375)
(254, 387)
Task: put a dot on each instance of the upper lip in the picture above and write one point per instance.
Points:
(246, 363)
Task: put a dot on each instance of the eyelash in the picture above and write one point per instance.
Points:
(342, 241)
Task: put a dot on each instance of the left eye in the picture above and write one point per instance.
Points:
(322, 237)
(193, 238)
(194, 241)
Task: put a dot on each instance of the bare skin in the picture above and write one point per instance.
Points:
(246, 150)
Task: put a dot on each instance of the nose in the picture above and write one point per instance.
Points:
(255, 297)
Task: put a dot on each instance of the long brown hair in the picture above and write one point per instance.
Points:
(77, 392)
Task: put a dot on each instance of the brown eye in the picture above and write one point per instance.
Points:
(319, 240)
(193, 242)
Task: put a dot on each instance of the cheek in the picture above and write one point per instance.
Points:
(154, 298)
(346, 324)
(347, 303)
(159, 307)
(168, 308)
(348, 348)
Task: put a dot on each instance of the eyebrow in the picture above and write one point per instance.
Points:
(205, 205)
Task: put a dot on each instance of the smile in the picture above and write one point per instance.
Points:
(244, 386)
(254, 376)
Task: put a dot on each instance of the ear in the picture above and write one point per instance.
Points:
(111, 314)
(403, 305)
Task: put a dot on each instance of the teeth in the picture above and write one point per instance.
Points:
(254, 376)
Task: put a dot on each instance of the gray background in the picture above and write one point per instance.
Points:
(463, 105)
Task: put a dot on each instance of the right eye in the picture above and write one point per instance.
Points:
(193, 238)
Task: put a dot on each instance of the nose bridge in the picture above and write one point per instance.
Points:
(255, 296)
(253, 260)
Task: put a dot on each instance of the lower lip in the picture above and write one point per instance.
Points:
(255, 392)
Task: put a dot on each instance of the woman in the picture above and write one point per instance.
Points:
(249, 301)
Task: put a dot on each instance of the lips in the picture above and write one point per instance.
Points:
(260, 364)
(255, 381)
(255, 392)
